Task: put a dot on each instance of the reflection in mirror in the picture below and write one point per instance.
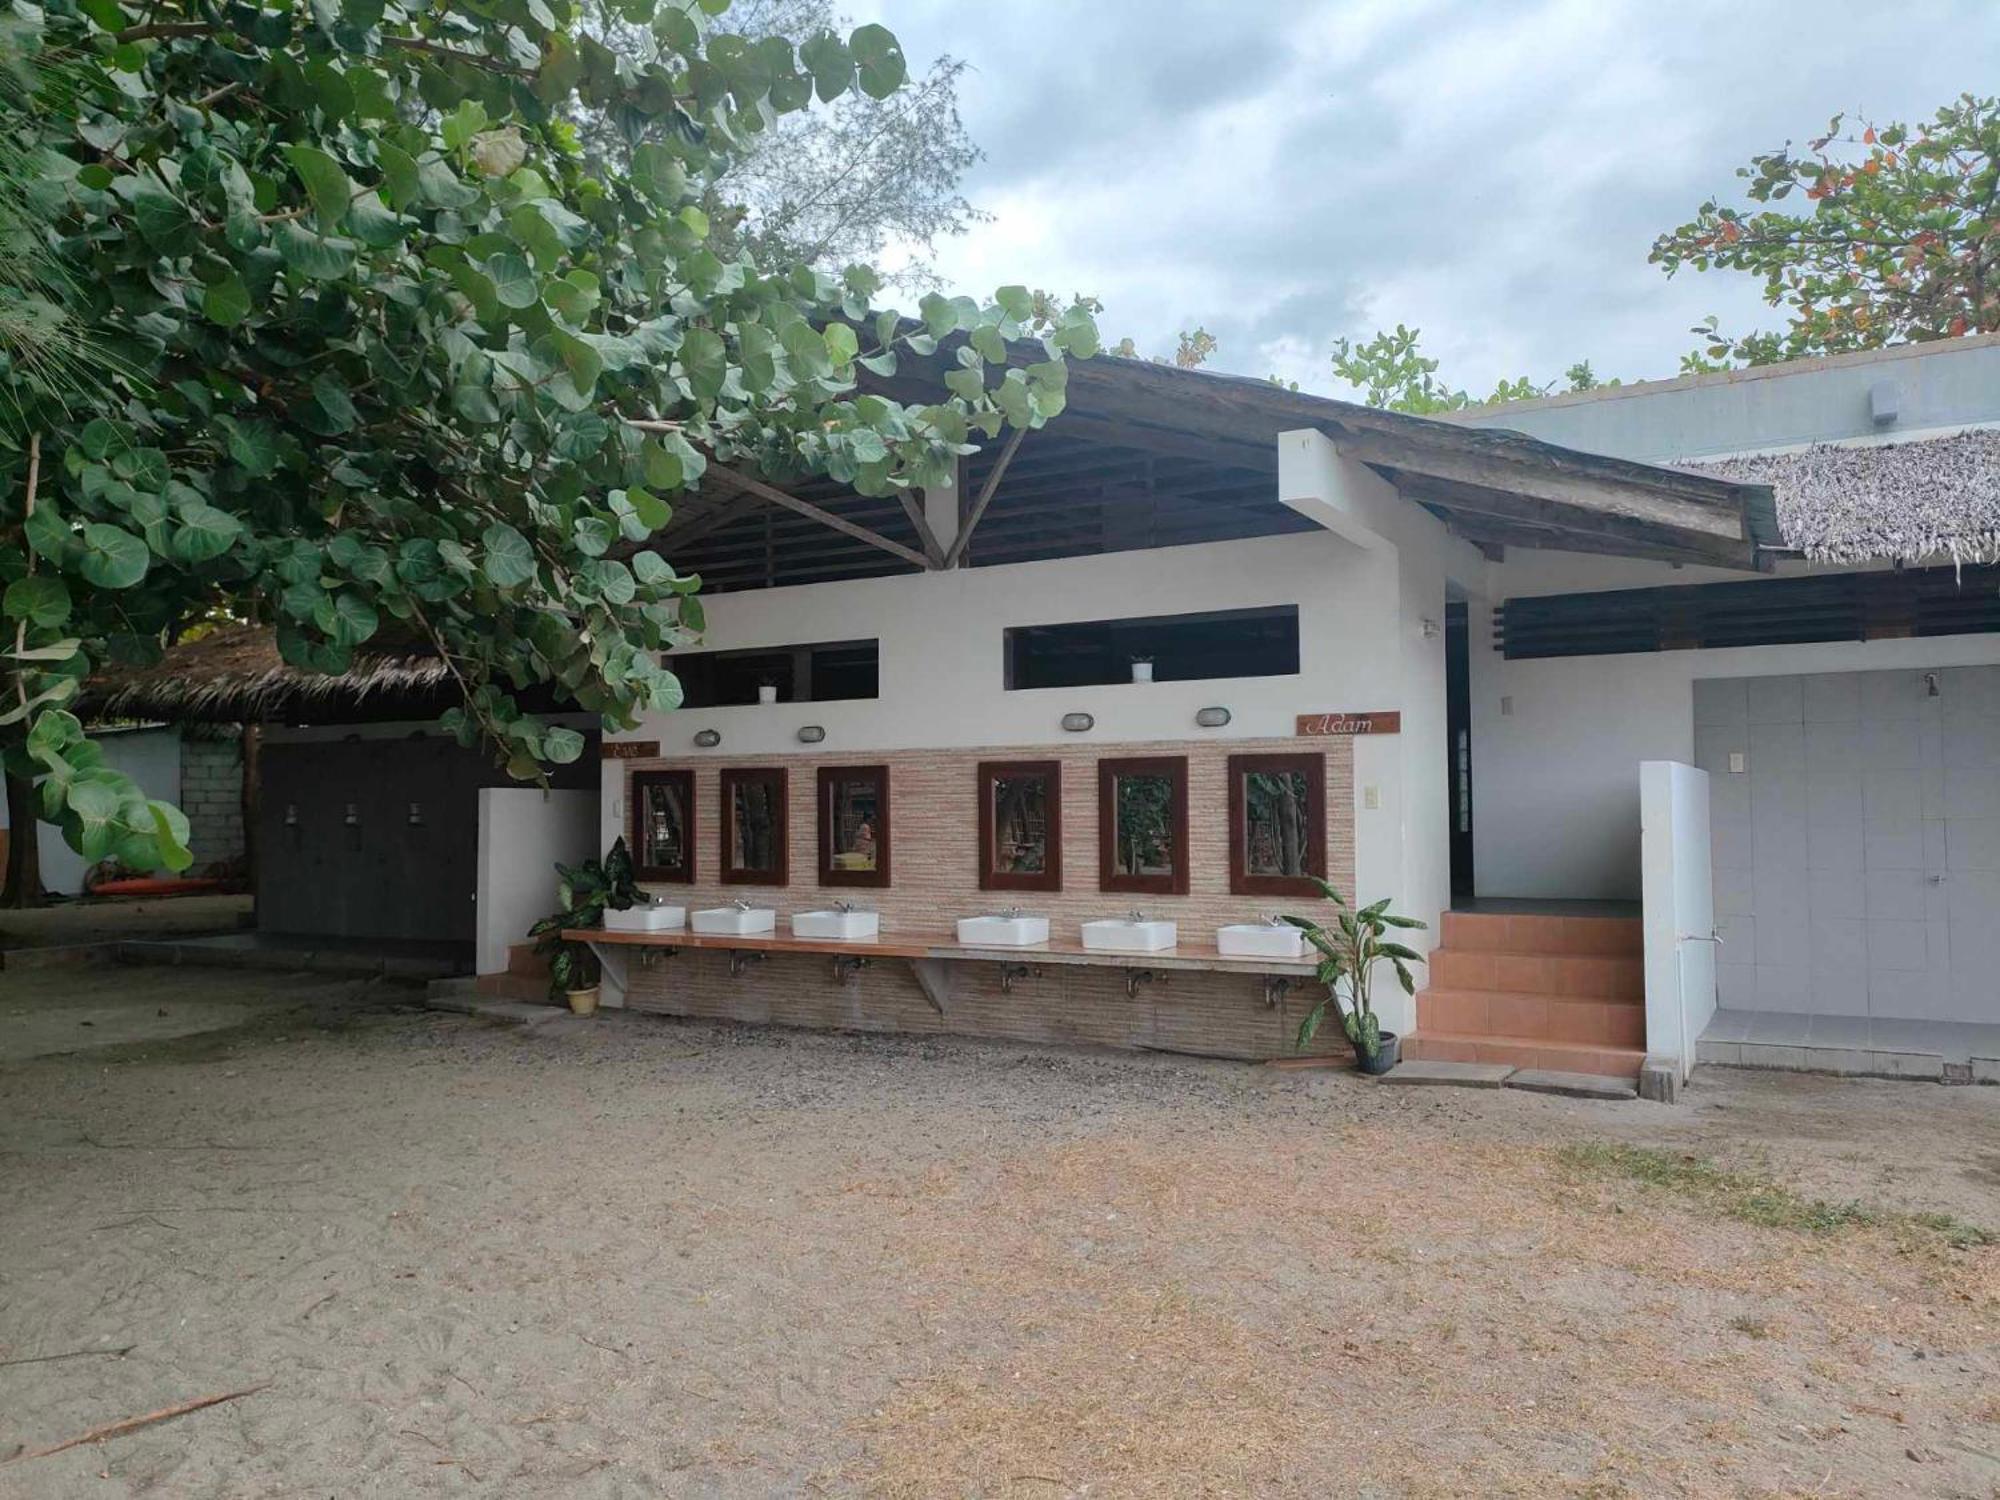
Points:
(756, 826)
(1020, 825)
(1275, 812)
(753, 827)
(663, 825)
(1142, 825)
(1144, 829)
(855, 817)
(1277, 824)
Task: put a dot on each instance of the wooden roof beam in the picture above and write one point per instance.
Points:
(825, 518)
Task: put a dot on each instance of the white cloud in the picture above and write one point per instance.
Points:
(1285, 173)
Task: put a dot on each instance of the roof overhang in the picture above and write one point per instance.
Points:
(1150, 455)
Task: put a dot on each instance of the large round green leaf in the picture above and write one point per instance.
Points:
(112, 557)
(509, 560)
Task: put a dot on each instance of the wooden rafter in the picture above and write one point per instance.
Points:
(825, 518)
(986, 493)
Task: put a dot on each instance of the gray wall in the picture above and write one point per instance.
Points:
(1856, 842)
(212, 794)
(1952, 383)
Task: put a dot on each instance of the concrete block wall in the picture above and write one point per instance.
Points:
(212, 796)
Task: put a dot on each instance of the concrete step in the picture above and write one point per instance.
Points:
(1572, 1085)
(1524, 1052)
(513, 987)
(1571, 975)
(1551, 1018)
(1492, 932)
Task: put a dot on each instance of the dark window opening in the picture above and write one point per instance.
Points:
(1182, 648)
(817, 672)
(1900, 603)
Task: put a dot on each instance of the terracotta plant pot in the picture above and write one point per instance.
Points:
(583, 1002)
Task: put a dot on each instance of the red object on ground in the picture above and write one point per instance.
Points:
(148, 886)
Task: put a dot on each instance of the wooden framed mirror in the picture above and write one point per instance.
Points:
(755, 830)
(1020, 825)
(1277, 824)
(663, 829)
(1142, 825)
(854, 825)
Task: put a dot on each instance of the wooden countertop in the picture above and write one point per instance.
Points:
(944, 945)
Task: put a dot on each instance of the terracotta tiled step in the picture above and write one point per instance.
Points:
(1583, 976)
(1494, 933)
(523, 959)
(1551, 1018)
(1524, 1052)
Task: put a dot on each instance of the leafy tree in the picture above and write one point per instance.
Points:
(393, 361)
(829, 186)
(1392, 372)
(1896, 236)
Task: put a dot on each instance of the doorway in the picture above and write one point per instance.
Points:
(1458, 743)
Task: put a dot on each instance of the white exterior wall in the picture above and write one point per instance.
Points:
(523, 831)
(1556, 743)
(1363, 597)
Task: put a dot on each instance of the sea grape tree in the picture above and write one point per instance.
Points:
(379, 358)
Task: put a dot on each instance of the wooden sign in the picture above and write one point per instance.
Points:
(630, 749)
(1382, 722)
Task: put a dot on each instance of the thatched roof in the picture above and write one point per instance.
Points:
(1902, 502)
(234, 673)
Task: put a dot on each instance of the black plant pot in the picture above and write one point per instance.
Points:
(1386, 1056)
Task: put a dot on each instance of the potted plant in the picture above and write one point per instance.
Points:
(582, 893)
(1348, 951)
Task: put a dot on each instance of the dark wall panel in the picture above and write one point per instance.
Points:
(338, 854)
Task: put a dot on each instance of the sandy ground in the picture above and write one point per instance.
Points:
(635, 1257)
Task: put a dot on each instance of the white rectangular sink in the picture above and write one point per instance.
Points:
(734, 921)
(1122, 935)
(845, 926)
(646, 919)
(1260, 940)
(1002, 931)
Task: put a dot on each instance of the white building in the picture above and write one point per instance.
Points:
(1524, 629)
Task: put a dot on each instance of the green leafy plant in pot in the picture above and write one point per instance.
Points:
(583, 891)
(1348, 951)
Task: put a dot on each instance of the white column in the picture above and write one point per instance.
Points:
(940, 504)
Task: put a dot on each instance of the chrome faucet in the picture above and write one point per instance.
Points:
(1276, 919)
(1135, 916)
(843, 906)
(740, 904)
(1010, 912)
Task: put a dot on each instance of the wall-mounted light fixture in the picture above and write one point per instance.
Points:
(811, 734)
(416, 815)
(291, 815)
(1211, 718)
(708, 739)
(1078, 723)
(353, 816)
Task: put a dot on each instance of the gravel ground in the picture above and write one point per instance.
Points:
(640, 1257)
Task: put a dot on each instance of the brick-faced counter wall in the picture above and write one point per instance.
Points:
(934, 856)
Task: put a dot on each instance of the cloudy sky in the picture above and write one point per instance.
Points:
(1283, 172)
